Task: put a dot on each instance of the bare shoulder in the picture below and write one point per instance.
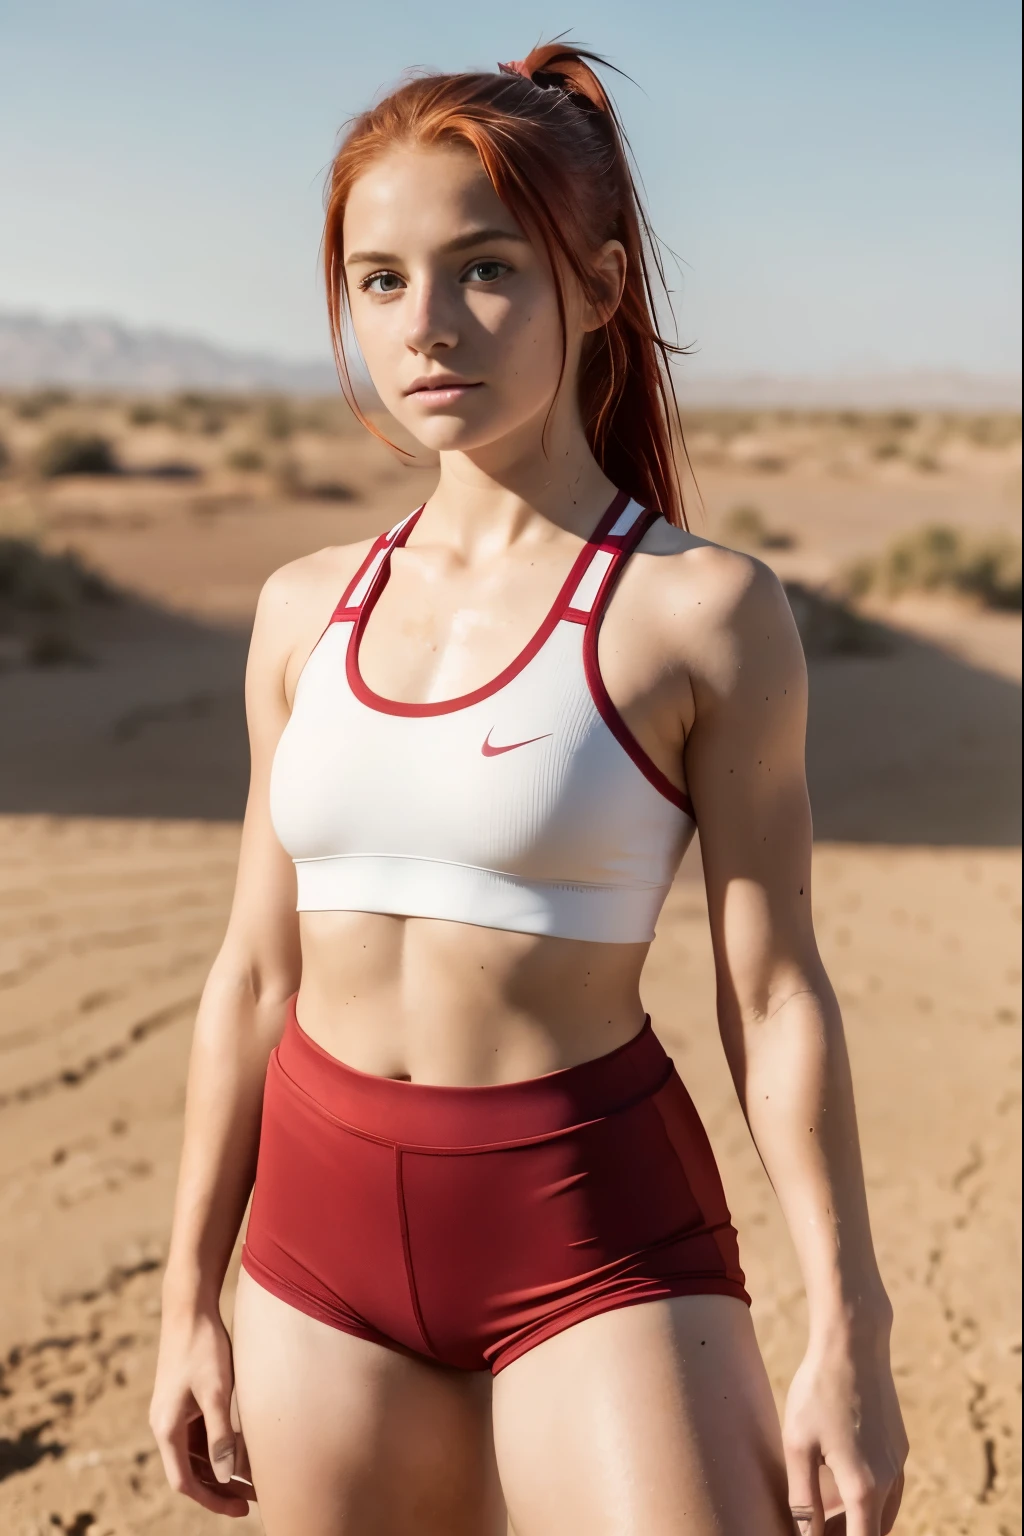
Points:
(295, 606)
(292, 589)
(726, 583)
(304, 593)
(720, 608)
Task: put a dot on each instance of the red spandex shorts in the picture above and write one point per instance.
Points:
(466, 1225)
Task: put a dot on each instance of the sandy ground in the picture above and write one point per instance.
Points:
(120, 787)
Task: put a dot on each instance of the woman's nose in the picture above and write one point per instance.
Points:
(432, 322)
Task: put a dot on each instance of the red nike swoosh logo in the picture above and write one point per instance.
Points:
(489, 751)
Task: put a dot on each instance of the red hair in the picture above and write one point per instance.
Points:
(550, 142)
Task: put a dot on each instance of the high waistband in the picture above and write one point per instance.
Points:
(456, 1119)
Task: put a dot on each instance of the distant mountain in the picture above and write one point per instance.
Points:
(104, 354)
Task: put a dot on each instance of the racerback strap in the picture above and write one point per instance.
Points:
(608, 557)
(603, 558)
(359, 588)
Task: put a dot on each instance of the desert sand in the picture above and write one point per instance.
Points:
(121, 781)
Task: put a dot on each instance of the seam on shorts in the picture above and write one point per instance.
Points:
(407, 1252)
(294, 1296)
(708, 1228)
(662, 1290)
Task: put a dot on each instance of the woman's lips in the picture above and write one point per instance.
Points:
(441, 394)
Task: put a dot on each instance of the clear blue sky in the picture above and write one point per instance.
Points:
(842, 181)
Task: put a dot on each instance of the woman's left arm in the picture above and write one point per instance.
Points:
(783, 1034)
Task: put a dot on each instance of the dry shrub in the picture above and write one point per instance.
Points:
(190, 410)
(5, 457)
(939, 558)
(35, 580)
(40, 596)
(999, 430)
(278, 420)
(746, 527)
(247, 460)
(38, 403)
(76, 453)
(829, 627)
(145, 413)
(329, 490)
(53, 645)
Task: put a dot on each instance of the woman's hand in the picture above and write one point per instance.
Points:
(194, 1378)
(842, 1412)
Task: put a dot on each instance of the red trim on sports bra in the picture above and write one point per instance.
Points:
(343, 611)
(377, 701)
(595, 682)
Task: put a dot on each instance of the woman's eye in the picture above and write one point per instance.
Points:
(486, 271)
(381, 282)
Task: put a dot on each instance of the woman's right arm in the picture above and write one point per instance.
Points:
(240, 1019)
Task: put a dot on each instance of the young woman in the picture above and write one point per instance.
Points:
(489, 1263)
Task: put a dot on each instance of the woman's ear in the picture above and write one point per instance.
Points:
(609, 265)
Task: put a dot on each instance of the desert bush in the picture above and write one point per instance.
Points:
(169, 469)
(288, 475)
(40, 402)
(278, 420)
(53, 645)
(992, 573)
(829, 627)
(34, 579)
(248, 460)
(322, 416)
(5, 457)
(194, 400)
(939, 558)
(901, 421)
(76, 453)
(145, 413)
(745, 527)
(999, 430)
(330, 490)
(190, 410)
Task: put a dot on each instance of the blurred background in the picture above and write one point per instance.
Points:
(838, 190)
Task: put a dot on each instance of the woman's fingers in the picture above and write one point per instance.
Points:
(804, 1494)
(220, 1434)
(870, 1499)
(172, 1443)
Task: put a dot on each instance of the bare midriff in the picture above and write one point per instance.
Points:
(431, 1001)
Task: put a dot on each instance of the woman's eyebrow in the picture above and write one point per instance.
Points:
(460, 243)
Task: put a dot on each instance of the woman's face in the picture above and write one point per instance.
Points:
(454, 309)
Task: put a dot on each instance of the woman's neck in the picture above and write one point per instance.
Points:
(509, 489)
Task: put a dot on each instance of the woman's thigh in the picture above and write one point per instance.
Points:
(346, 1438)
(652, 1420)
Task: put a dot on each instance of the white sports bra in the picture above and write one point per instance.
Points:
(525, 805)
